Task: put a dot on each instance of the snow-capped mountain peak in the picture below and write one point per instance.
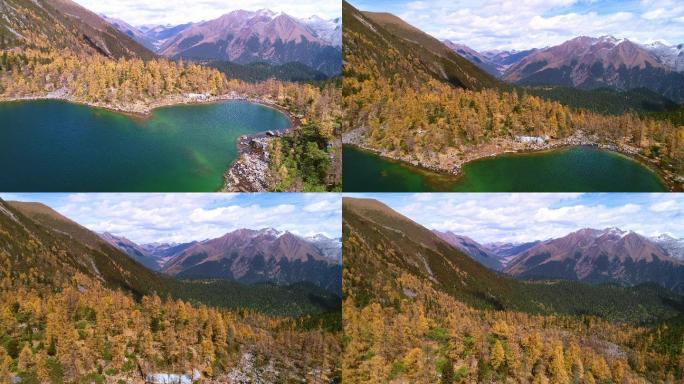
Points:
(270, 232)
(672, 245)
(671, 56)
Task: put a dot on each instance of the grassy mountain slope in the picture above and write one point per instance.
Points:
(387, 46)
(63, 24)
(75, 310)
(56, 248)
(383, 245)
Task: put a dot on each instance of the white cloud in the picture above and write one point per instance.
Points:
(178, 217)
(489, 217)
(136, 12)
(524, 24)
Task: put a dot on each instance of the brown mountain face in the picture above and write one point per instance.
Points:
(135, 251)
(596, 256)
(251, 256)
(244, 37)
(474, 57)
(588, 63)
(63, 24)
(471, 248)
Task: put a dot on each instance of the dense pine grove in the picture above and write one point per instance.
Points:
(605, 100)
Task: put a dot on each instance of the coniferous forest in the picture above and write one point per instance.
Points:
(417, 309)
(77, 309)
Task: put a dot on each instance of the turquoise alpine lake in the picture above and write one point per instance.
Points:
(574, 169)
(51, 145)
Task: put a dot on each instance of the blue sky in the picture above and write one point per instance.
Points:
(519, 217)
(151, 217)
(138, 12)
(524, 24)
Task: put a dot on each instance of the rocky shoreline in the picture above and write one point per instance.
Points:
(452, 161)
(250, 171)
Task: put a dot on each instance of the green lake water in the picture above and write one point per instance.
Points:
(51, 145)
(577, 169)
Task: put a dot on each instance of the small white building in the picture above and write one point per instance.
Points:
(532, 139)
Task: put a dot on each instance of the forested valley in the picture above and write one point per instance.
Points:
(418, 310)
(73, 309)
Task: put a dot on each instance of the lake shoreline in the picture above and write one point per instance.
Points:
(250, 172)
(499, 147)
(247, 173)
(144, 110)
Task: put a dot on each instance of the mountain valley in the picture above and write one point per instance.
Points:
(424, 311)
(73, 286)
(588, 255)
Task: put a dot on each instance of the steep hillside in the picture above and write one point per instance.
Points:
(389, 46)
(77, 310)
(61, 248)
(63, 24)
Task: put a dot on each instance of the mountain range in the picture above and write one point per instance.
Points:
(494, 62)
(383, 248)
(588, 255)
(36, 238)
(473, 249)
(245, 37)
(241, 37)
(588, 63)
(244, 255)
(152, 256)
